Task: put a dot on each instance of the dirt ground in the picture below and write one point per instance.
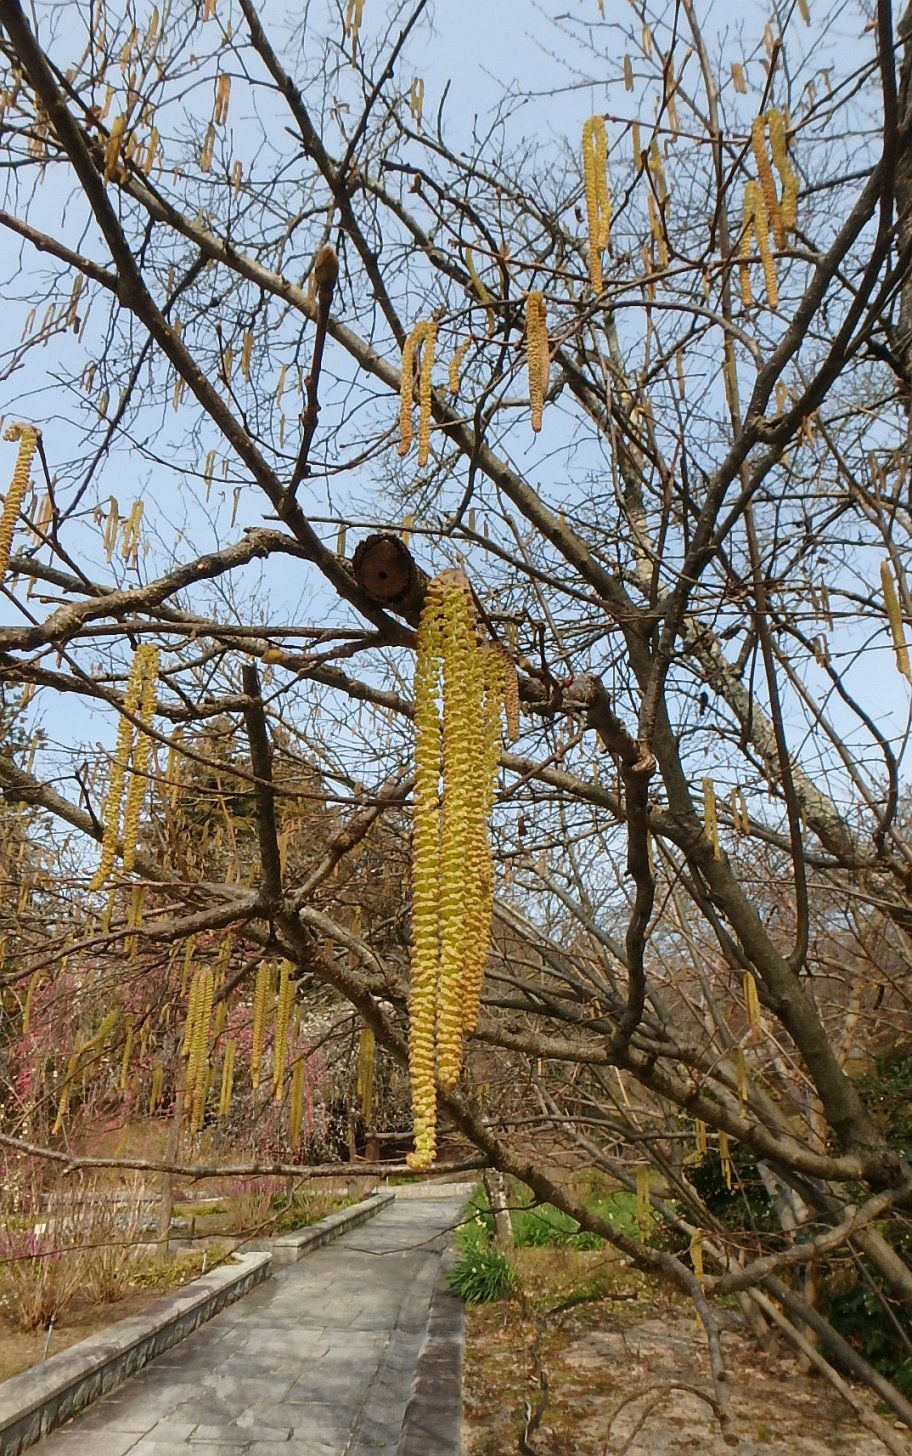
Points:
(572, 1372)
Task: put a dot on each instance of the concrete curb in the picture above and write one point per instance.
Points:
(35, 1402)
(43, 1397)
(432, 1424)
(291, 1247)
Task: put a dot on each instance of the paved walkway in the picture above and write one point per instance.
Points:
(319, 1360)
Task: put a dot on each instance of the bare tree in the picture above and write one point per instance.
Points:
(668, 442)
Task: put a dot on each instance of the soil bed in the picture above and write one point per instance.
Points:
(20, 1349)
(576, 1369)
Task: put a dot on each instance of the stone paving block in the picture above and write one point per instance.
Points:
(73, 1443)
(317, 1361)
(229, 1435)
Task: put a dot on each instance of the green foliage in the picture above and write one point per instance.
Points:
(746, 1205)
(887, 1091)
(857, 1304)
(871, 1325)
(482, 1274)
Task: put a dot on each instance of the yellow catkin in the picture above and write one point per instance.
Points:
(537, 354)
(452, 870)
(725, 1159)
(190, 1018)
(739, 811)
(296, 1104)
(366, 1061)
(696, 1254)
(142, 752)
(140, 666)
(454, 369)
(461, 704)
(788, 178)
(130, 539)
(227, 1086)
(746, 246)
(657, 169)
(261, 996)
(643, 1203)
(417, 339)
(222, 97)
(894, 617)
(425, 882)
(425, 393)
(497, 672)
(710, 820)
(198, 1071)
(598, 199)
(657, 232)
(155, 1090)
(482, 292)
(483, 685)
(751, 1004)
(207, 150)
(739, 80)
(28, 438)
(416, 99)
(700, 1137)
(286, 997)
(761, 231)
(112, 149)
(767, 183)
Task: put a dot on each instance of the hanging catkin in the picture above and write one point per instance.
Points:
(28, 438)
(739, 811)
(537, 354)
(710, 820)
(761, 232)
(598, 198)
(425, 882)
(462, 693)
(261, 997)
(142, 752)
(454, 368)
(143, 668)
(894, 617)
(449, 873)
(366, 1060)
(771, 206)
(423, 337)
(752, 1004)
(788, 179)
(227, 1085)
(745, 248)
(696, 1254)
(284, 1004)
(296, 1103)
(725, 1159)
(198, 1061)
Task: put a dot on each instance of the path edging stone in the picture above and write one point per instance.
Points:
(432, 1424)
(290, 1247)
(38, 1400)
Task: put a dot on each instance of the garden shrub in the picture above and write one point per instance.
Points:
(481, 1274)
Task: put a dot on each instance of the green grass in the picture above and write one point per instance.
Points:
(544, 1226)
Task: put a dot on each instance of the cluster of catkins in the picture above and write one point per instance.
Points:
(139, 703)
(453, 878)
